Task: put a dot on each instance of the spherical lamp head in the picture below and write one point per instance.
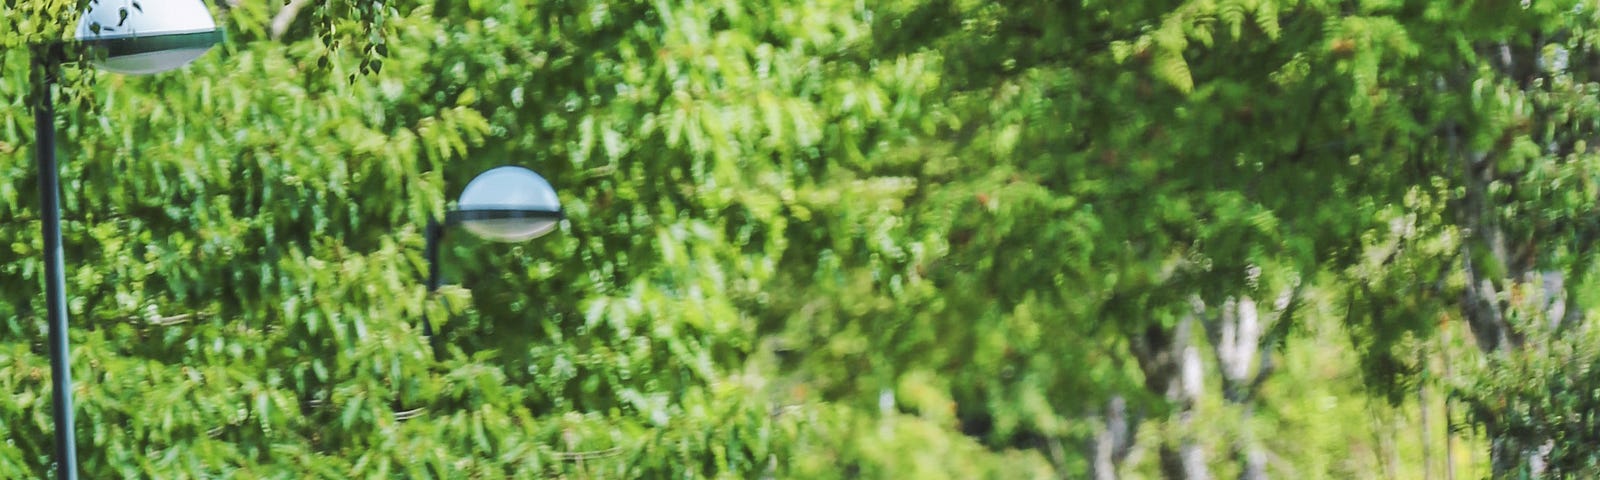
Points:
(509, 204)
(147, 36)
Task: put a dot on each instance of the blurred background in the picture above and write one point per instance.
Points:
(822, 239)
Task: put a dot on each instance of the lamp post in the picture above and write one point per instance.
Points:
(503, 204)
(127, 36)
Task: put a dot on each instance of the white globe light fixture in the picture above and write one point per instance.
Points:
(508, 204)
(503, 204)
(146, 36)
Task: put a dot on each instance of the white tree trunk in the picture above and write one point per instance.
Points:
(1244, 358)
(1114, 442)
(1172, 366)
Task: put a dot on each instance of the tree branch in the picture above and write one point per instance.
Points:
(285, 18)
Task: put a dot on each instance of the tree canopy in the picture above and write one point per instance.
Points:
(822, 239)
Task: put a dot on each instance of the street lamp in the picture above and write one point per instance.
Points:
(126, 36)
(503, 204)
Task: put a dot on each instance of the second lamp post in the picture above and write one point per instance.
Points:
(503, 204)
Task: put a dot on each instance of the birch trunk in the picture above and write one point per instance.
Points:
(1237, 335)
(1112, 445)
(1172, 366)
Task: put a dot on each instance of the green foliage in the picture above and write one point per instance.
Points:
(846, 443)
(804, 239)
(1541, 399)
(245, 242)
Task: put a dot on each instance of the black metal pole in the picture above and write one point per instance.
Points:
(44, 66)
(435, 234)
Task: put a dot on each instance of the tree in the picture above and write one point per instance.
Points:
(809, 239)
(246, 239)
